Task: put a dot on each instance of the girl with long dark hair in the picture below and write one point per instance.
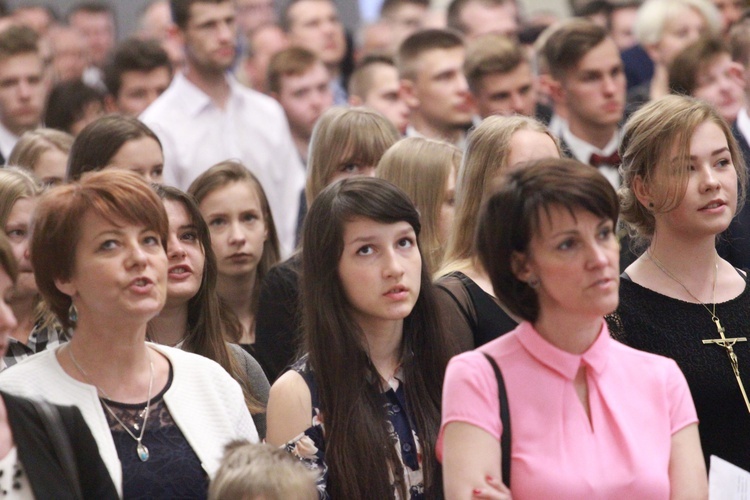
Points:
(364, 405)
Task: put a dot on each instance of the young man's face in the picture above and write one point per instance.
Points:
(439, 93)
(305, 97)
(508, 93)
(594, 90)
(384, 97)
(315, 25)
(98, 28)
(138, 89)
(210, 36)
(23, 92)
(720, 83)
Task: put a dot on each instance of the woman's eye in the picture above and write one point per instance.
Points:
(724, 162)
(151, 240)
(15, 233)
(365, 250)
(566, 245)
(189, 236)
(350, 168)
(405, 243)
(219, 221)
(108, 245)
(249, 217)
(605, 233)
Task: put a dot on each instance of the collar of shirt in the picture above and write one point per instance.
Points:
(563, 362)
(582, 150)
(743, 124)
(8, 141)
(412, 132)
(196, 101)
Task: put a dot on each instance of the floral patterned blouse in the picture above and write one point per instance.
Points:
(309, 446)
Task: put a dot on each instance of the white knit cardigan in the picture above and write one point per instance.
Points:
(204, 401)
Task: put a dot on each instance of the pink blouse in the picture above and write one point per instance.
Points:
(637, 402)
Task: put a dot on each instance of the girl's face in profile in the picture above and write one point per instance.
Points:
(185, 254)
(447, 208)
(238, 228)
(380, 271)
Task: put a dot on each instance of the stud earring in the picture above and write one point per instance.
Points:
(533, 282)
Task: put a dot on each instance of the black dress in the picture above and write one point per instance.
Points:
(472, 316)
(278, 324)
(653, 322)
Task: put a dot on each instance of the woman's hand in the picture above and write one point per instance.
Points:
(495, 490)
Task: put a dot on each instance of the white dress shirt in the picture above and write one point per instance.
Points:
(252, 128)
(8, 141)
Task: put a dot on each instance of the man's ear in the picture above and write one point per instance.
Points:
(556, 89)
(110, 104)
(519, 264)
(408, 93)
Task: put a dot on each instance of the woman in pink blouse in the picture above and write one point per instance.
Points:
(590, 417)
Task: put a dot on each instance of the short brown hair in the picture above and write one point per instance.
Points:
(649, 138)
(133, 54)
(511, 216)
(181, 10)
(115, 195)
(292, 61)
(456, 8)
(491, 55)
(17, 40)
(361, 80)
(570, 43)
(739, 42)
(420, 42)
(692, 61)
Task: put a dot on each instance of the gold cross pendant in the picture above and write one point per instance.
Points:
(728, 345)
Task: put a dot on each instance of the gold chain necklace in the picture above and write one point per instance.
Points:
(726, 343)
(141, 450)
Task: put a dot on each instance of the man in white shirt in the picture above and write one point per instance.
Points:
(206, 117)
(587, 77)
(23, 89)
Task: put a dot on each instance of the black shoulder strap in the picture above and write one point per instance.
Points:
(504, 418)
(60, 440)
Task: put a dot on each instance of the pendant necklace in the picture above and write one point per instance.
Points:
(726, 343)
(141, 449)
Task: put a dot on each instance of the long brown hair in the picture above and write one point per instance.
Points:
(360, 455)
(206, 333)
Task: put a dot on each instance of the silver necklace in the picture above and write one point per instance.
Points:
(140, 448)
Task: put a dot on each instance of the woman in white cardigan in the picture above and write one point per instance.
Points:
(160, 416)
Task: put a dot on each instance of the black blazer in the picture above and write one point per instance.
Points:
(37, 454)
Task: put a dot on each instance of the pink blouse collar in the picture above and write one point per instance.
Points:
(563, 362)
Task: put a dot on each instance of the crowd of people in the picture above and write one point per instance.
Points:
(463, 250)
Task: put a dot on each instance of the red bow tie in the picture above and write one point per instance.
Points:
(612, 160)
